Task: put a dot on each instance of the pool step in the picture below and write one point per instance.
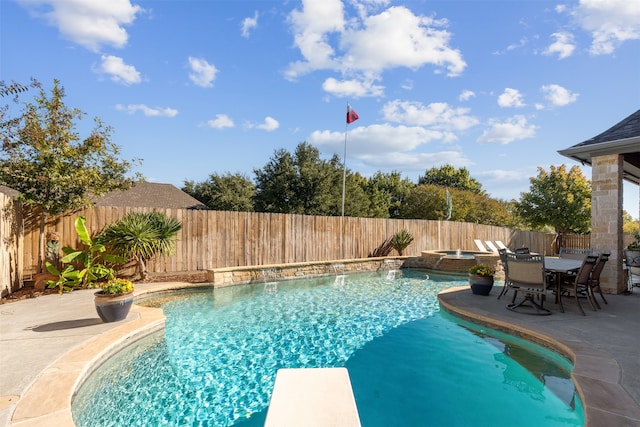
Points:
(313, 397)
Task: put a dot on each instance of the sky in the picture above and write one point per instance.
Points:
(195, 88)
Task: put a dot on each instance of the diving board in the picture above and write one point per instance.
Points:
(312, 397)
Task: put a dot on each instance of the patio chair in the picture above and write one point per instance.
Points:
(574, 253)
(633, 275)
(594, 281)
(578, 285)
(480, 245)
(503, 259)
(491, 246)
(632, 265)
(501, 245)
(526, 274)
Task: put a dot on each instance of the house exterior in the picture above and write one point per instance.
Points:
(614, 156)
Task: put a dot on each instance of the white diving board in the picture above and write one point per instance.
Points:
(313, 397)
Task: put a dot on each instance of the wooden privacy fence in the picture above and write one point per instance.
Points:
(215, 239)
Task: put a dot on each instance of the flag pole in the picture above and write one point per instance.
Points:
(352, 116)
(344, 180)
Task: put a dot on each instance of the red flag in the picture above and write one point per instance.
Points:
(352, 116)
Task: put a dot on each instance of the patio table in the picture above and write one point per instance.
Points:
(560, 266)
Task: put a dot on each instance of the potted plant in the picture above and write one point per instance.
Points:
(481, 279)
(93, 259)
(114, 300)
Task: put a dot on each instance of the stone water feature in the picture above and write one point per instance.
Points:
(457, 261)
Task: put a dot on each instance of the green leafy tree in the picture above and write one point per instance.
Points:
(229, 192)
(302, 183)
(429, 202)
(387, 193)
(448, 176)
(558, 198)
(44, 158)
(425, 202)
(356, 201)
(140, 236)
(629, 225)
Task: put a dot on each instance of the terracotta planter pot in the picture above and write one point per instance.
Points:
(481, 285)
(113, 307)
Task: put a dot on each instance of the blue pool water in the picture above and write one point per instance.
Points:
(410, 365)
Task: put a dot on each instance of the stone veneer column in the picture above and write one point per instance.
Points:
(606, 218)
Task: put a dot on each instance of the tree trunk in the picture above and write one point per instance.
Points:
(142, 269)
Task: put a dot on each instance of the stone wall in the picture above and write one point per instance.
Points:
(230, 276)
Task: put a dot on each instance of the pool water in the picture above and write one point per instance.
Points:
(410, 365)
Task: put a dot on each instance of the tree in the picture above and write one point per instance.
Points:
(448, 176)
(140, 236)
(45, 160)
(558, 198)
(224, 192)
(387, 193)
(629, 225)
(302, 183)
(429, 202)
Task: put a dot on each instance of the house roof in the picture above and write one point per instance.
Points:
(151, 195)
(622, 138)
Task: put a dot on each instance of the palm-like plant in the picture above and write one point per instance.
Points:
(140, 236)
(401, 240)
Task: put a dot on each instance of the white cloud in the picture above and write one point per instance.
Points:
(558, 96)
(365, 47)
(119, 71)
(220, 122)
(89, 23)
(389, 147)
(407, 84)
(437, 116)
(202, 73)
(352, 88)
(466, 95)
(610, 22)
(248, 24)
(563, 45)
(512, 129)
(511, 98)
(148, 111)
(398, 38)
(269, 124)
(311, 27)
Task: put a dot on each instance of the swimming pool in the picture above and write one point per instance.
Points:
(410, 365)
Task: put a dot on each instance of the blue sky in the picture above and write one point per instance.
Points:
(201, 87)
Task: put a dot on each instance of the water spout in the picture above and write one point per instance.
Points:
(271, 288)
(393, 274)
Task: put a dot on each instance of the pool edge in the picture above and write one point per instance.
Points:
(603, 397)
(47, 400)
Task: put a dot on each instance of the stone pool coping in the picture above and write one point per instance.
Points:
(597, 373)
